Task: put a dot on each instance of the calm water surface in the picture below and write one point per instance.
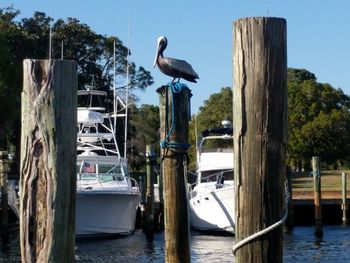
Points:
(299, 246)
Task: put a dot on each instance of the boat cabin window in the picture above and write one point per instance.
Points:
(215, 175)
(86, 167)
(217, 145)
(110, 169)
(110, 172)
(105, 172)
(88, 100)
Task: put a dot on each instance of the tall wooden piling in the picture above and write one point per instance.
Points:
(174, 121)
(4, 169)
(149, 213)
(344, 199)
(317, 195)
(48, 161)
(260, 137)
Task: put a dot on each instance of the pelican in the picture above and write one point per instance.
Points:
(173, 67)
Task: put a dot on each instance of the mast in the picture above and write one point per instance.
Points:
(127, 86)
(50, 33)
(62, 50)
(114, 92)
(126, 103)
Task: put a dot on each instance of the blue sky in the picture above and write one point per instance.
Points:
(200, 31)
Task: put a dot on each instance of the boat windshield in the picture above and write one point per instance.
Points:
(216, 175)
(224, 144)
(88, 100)
(107, 172)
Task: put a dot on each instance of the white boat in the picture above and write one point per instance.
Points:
(211, 198)
(107, 198)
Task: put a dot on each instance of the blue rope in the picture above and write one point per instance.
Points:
(176, 87)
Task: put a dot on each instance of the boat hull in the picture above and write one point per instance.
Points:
(106, 213)
(213, 211)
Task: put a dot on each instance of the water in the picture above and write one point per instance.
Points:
(299, 246)
(303, 246)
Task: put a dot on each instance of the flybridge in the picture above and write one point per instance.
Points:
(226, 130)
(217, 131)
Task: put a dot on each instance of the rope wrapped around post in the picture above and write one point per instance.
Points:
(175, 87)
(268, 229)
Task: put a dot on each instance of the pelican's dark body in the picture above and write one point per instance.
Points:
(173, 67)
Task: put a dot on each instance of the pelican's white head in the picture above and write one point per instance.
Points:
(162, 42)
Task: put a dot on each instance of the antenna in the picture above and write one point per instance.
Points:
(114, 91)
(196, 134)
(50, 33)
(62, 49)
(127, 85)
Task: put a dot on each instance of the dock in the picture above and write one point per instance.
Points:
(331, 203)
(329, 197)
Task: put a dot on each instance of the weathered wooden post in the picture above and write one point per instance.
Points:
(317, 195)
(344, 199)
(48, 161)
(174, 119)
(149, 218)
(4, 169)
(260, 134)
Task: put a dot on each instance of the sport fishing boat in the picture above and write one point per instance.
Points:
(107, 198)
(211, 198)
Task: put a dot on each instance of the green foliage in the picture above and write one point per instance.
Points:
(10, 78)
(318, 121)
(216, 109)
(300, 75)
(94, 54)
(29, 38)
(144, 129)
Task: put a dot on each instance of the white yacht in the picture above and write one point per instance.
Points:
(107, 198)
(211, 198)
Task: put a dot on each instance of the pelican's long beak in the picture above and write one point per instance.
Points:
(157, 54)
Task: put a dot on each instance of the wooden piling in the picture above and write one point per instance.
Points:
(174, 112)
(4, 169)
(260, 137)
(149, 213)
(317, 195)
(344, 199)
(48, 161)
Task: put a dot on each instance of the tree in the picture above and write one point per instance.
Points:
(318, 121)
(216, 109)
(300, 75)
(94, 54)
(144, 129)
(10, 78)
(29, 38)
(328, 136)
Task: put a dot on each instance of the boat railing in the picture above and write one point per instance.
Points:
(101, 179)
(216, 180)
(133, 183)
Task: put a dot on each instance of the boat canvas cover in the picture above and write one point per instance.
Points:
(89, 117)
(215, 160)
